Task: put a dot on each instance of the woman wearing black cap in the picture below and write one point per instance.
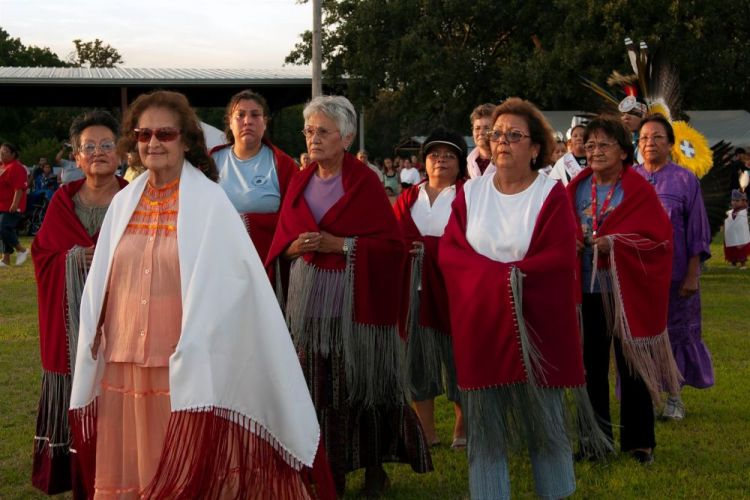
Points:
(423, 211)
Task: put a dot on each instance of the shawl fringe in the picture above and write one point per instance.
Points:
(650, 358)
(75, 278)
(504, 418)
(216, 452)
(424, 349)
(424, 345)
(52, 430)
(320, 314)
(52, 470)
(531, 357)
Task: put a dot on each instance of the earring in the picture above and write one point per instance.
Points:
(533, 160)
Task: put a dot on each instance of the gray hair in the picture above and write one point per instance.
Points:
(336, 107)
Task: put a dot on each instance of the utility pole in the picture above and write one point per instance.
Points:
(362, 128)
(317, 52)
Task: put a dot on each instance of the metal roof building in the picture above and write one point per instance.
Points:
(116, 87)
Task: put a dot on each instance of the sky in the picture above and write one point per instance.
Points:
(249, 34)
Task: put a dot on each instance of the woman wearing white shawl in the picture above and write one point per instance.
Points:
(186, 381)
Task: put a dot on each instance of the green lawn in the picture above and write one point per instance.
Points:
(705, 456)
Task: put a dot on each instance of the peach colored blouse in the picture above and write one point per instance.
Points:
(143, 315)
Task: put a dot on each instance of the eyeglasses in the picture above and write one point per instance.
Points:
(655, 138)
(90, 148)
(164, 134)
(510, 135)
(309, 132)
(446, 155)
(590, 147)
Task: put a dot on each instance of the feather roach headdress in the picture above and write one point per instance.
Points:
(654, 87)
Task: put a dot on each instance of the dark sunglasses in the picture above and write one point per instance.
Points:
(164, 134)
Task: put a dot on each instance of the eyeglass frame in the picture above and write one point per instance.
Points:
(445, 155)
(106, 146)
(490, 135)
(323, 133)
(156, 132)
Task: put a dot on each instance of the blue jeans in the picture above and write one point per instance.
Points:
(553, 468)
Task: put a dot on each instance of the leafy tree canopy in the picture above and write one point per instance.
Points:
(15, 53)
(94, 55)
(434, 60)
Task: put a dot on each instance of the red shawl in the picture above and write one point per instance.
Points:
(60, 231)
(643, 246)
(640, 269)
(433, 304)
(486, 337)
(262, 226)
(363, 212)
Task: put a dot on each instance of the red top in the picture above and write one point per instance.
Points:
(363, 212)
(60, 231)
(13, 178)
(486, 340)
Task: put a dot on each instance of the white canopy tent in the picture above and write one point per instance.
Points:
(731, 125)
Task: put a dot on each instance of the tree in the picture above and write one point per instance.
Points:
(15, 53)
(94, 55)
(434, 60)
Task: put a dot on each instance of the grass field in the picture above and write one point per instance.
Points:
(705, 456)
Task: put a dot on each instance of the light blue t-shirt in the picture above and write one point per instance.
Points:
(583, 209)
(252, 185)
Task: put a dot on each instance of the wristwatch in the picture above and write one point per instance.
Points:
(347, 246)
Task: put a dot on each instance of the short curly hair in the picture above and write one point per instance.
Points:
(614, 128)
(190, 128)
(539, 129)
(96, 117)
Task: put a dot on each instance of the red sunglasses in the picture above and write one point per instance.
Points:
(164, 134)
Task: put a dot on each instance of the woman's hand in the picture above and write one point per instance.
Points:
(330, 243)
(689, 286)
(603, 245)
(305, 242)
(416, 247)
(89, 254)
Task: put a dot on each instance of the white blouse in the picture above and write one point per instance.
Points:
(431, 220)
(499, 226)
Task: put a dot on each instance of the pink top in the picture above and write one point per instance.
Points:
(321, 195)
(144, 309)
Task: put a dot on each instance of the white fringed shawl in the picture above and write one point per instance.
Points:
(235, 353)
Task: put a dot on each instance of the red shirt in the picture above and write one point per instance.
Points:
(13, 178)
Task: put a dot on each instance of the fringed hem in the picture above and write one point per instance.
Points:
(530, 355)
(501, 419)
(424, 345)
(52, 429)
(216, 452)
(650, 358)
(320, 316)
(52, 471)
(75, 278)
(424, 366)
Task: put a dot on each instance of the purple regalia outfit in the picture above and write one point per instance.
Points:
(680, 194)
